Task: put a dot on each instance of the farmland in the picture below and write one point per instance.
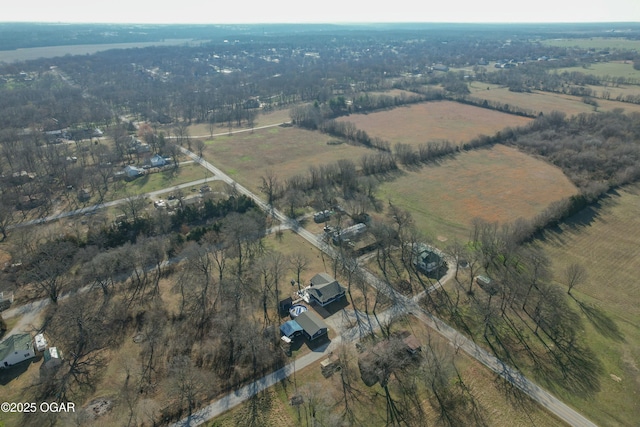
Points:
(601, 43)
(605, 239)
(285, 150)
(497, 184)
(613, 70)
(545, 102)
(27, 54)
(431, 121)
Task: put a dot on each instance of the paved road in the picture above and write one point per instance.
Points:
(402, 304)
(88, 210)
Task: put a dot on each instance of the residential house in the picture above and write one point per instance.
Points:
(325, 289)
(313, 327)
(132, 172)
(426, 258)
(157, 161)
(16, 349)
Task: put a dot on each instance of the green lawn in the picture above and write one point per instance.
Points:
(612, 69)
(600, 43)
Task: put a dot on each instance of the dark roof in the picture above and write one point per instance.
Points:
(324, 287)
(310, 322)
(290, 328)
(14, 343)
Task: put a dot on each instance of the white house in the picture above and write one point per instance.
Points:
(16, 349)
(157, 161)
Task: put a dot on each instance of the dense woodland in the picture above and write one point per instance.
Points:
(211, 261)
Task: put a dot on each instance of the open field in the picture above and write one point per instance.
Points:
(275, 117)
(615, 91)
(545, 102)
(420, 123)
(536, 102)
(497, 184)
(606, 240)
(82, 49)
(601, 43)
(495, 408)
(612, 69)
(285, 150)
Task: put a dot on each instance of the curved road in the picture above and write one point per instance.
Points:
(457, 339)
(402, 305)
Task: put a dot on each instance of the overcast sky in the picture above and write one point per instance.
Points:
(326, 11)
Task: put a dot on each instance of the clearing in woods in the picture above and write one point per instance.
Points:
(497, 184)
(429, 121)
(605, 240)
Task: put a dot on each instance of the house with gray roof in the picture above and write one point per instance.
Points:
(15, 349)
(324, 289)
(312, 325)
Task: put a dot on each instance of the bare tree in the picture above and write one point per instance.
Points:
(48, 268)
(200, 146)
(270, 186)
(299, 263)
(575, 274)
(133, 206)
(84, 330)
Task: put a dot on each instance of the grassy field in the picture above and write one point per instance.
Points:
(601, 43)
(545, 102)
(420, 123)
(613, 69)
(606, 242)
(83, 49)
(276, 117)
(614, 91)
(286, 151)
(497, 184)
(494, 406)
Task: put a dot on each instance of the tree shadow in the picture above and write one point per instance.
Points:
(600, 321)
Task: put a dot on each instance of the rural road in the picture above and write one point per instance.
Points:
(88, 210)
(402, 304)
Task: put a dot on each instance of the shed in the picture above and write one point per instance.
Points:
(313, 326)
(52, 357)
(40, 342)
(15, 349)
